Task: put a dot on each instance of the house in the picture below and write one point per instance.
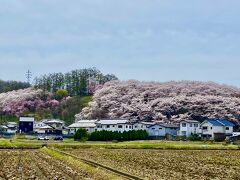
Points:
(213, 127)
(162, 130)
(89, 125)
(114, 125)
(26, 124)
(188, 127)
(49, 126)
(12, 127)
(142, 125)
(44, 129)
(55, 123)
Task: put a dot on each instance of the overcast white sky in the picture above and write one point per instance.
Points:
(157, 40)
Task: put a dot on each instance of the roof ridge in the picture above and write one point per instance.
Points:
(220, 122)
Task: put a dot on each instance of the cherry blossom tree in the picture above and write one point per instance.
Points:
(166, 102)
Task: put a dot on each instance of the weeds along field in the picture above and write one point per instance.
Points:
(45, 164)
(168, 164)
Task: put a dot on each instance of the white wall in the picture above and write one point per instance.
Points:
(156, 130)
(139, 126)
(211, 129)
(190, 128)
(114, 127)
(89, 129)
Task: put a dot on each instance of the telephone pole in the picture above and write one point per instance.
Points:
(28, 76)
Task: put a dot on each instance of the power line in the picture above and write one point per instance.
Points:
(28, 76)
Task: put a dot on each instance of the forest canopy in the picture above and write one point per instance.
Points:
(79, 82)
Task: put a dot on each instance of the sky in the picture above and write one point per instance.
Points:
(152, 40)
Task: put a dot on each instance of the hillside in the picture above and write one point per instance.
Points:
(169, 101)
(36, 103)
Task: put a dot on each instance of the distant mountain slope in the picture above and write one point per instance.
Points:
(36, 103)
(170, 101)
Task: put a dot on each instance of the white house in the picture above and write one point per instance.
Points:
(114, 125)
(188, 127)
(44, 129)
(55, 123)
(161, 130)
(89, 125)
(142, 125)
(8, 128)
(48, 126)
(213, 126)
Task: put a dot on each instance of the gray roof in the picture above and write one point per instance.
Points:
(148, 123)
(190, 121)
(26, 119)
(83, 124)
(112, 122)
(3, 127)
(45, 127)
(53, 121)
(166, 125)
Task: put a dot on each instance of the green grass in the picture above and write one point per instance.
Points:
(69, 143)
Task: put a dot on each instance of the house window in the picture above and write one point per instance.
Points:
(119, 126)
(184, 133)
(184, 124)
(135, 126)
(204, 127)
(160, 128)
(211, 127)
(227, 128)
(108, 126)
(99, 126)
(195, 125)
(153, 128)
(190, 124)
(113, 126)
(126, 126)
(142, 126)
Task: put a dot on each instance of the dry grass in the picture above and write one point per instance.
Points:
(168, 164)
(34, 164)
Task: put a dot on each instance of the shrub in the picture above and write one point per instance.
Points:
(180, 138)
(118, 136)
(81, 135)
(194, 137)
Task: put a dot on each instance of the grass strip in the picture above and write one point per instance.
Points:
(96, 173)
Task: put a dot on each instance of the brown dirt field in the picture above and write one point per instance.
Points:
(168, 164)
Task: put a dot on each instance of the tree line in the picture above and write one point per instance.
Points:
(6, 86)
(77, 82)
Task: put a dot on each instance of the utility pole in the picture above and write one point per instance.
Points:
(29, 76)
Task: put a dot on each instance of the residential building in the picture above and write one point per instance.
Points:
(210, 128)
(142, 125)
(188, 127)
(46, 129)
(89, 125)
(26, 124)
(114, 125)
(49, 126)
(162, 130)
(55, 123)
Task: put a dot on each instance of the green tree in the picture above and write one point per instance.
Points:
(61, 93)
(81, 135)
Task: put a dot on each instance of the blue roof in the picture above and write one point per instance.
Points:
(220, 122)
